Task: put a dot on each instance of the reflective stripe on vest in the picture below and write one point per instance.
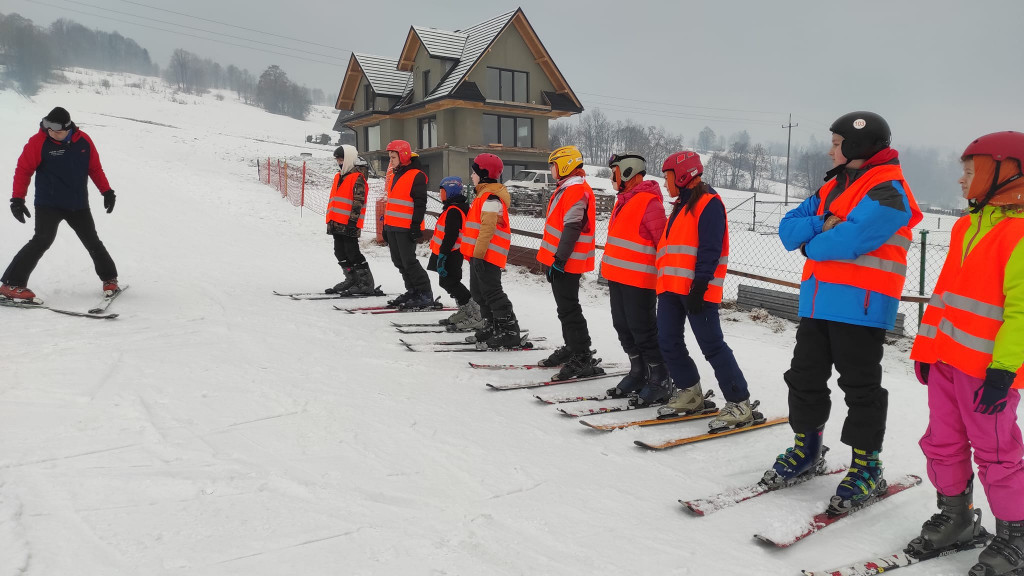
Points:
(882, 270)
(438, 237)
(573, 191)
(629, 258)
(677, 253)
(399, 209)
(501, 241)
(339, 208)
(965, 313)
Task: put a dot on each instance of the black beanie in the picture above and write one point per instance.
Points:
(59, 116)
(339, 152)
(485, 177)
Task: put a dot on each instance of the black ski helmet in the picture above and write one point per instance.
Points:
(864, 134)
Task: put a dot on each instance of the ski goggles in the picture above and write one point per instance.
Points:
(55, 126)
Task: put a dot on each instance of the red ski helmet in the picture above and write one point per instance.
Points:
(685, 165)
(488, 166)
(1000, 146)
(404, 151)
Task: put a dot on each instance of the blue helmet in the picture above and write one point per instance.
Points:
(452, 185)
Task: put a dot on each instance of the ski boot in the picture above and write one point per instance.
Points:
(579, 365)
(560, 356)
(348, 282)
(864, 480)
(465, 312)
(801, 462)
(110, 287)
(401, 299)
(657, 388)
(506, 334)
(16, 292)
(1005, 554)
(419, 299)
(631, 382)
(957, 523)
(364, 283)
(483, 333)
(684, 401)
(734, 415)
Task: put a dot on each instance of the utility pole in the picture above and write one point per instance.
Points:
(789, 139)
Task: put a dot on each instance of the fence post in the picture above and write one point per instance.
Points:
(924, 261)
(285, 179)
(302, 191)
(753, 221)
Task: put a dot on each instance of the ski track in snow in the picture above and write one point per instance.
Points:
(217, 429)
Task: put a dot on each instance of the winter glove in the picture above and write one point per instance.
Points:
(442, 259)
(557, 267)
(108, 200)
(695, 299)
(921, 369)
(990, 397)
(19, 210)
(416, 234)
(830, 221)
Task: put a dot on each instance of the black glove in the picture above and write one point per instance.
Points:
(990, 397)
(416, 234)
(108, 200)
(921, 369)
(19, 210)
(695, 299)
(557, 267)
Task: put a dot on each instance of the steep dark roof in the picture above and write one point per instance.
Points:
(478, 38)
(442, 43)
(383, 74)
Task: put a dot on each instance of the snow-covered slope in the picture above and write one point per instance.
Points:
(217, 429)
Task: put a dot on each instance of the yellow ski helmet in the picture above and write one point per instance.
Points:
(566, 159)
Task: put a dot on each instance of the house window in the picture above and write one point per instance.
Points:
(511, 170)
(507, 85)
(428, 132)
(368, 96)
(508, 131)
(373, 138)
(426, 83)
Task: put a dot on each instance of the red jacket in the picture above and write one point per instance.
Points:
(62, 170)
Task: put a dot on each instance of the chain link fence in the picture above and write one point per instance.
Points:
(756, 255)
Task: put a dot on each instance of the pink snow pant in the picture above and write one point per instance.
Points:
(954, 428)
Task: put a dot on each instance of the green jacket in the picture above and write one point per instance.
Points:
(1009, 348)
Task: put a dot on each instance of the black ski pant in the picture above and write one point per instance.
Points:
(566, 288)
(46, 222)
(635, 318)
(403, 256)
(485, 286)
(452, 280)
(346, 250)
(856, 353)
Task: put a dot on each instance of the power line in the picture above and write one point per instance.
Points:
(682, 105)
(683, 115)
(179, 33)
(202, 30)
(233, 25)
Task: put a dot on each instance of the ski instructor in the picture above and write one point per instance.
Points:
(62, 157)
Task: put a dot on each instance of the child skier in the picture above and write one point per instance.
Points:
(855, 232)
(637, 223)
(486, 239)
(692, 257)
(969, 352)
(346, 210)
(446, 258)
(567, 249)
(403, 224)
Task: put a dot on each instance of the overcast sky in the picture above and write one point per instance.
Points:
(942, 72)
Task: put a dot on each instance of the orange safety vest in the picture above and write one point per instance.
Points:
(399, 209)
(438, 237)
(965, 312)
(582, 258)
(677, 253)
(629, 258)
(339, 207)
(883, 270)
(497, 250)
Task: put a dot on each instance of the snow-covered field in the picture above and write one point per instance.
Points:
(217, 429)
